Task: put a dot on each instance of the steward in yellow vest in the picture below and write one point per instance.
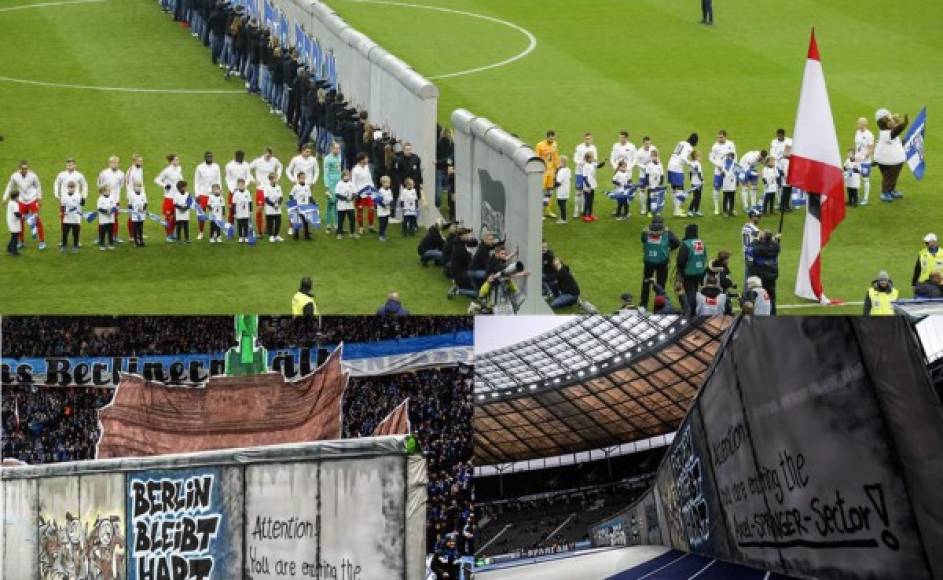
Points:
(881, 297)
(302, 303)
(929, 260)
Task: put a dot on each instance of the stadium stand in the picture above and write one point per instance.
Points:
(41, 336)
(43, 424)
(560, 419)
(525, 513)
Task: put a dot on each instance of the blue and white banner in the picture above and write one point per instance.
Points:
(269, 17)
(359, 358)
(914, 144)
(283, 29)
(314, 58)
(301, 44)
(626, 193)
(656, 199)
(331, 73)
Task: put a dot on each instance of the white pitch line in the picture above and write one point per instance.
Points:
(120, 89)
(656, 570)
(96, 88)
(701, 571)
(48, 4)
(531, 39)
(814, 305)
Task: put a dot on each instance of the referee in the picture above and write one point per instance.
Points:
(302, 303)
(707, 11)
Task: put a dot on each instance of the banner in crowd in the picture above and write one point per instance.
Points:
(793, 462)
(360, 359)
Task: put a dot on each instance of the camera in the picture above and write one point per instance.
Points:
(511, 269)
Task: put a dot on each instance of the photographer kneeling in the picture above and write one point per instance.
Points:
(431, 247)
(459, 263)
(499, 294)
(566, 290)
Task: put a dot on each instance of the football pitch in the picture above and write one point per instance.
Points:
(648, 66)
(643, 65)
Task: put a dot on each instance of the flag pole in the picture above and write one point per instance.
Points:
(782, 212)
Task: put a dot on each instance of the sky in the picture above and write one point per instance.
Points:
(494, 332)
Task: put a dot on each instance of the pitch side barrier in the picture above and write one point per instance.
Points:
(397, 97)
(813, 449)
(350, 509)
(499, 180)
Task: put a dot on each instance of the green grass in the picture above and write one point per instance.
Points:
(649, 67)
(644, 65)
(130, 43)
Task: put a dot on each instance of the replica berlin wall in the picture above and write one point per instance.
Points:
(499, 183)
(397, 97)
(814, 449)
(347, 510)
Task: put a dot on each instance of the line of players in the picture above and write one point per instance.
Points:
(656, 179)
(350, 196)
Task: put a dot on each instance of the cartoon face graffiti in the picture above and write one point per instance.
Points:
(70, 552)
(106, 550)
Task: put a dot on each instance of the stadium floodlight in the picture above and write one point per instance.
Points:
(593, 369)
(661, 336)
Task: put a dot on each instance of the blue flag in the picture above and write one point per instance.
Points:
(331, 69)
(283, 29)
(253, 7)
(914, 144)
(626, 193)
(268, 17)
(31, 222)
(301, 43)
(317, 56)
(656, 199)
(156, 218)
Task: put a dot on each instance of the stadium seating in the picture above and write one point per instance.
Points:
(557, 506)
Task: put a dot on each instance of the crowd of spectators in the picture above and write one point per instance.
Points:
(283, 332)
(77, 336)
(51, 424)
(440, 412)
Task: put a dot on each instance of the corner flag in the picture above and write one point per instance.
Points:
(913, 144)
(815, 167)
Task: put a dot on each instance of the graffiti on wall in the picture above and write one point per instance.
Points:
(174, 525)
(72, 550)
(687, 486)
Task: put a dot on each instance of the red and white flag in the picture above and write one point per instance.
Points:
(815, 167)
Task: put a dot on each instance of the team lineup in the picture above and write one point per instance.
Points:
(761, 176)
(353, 201)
